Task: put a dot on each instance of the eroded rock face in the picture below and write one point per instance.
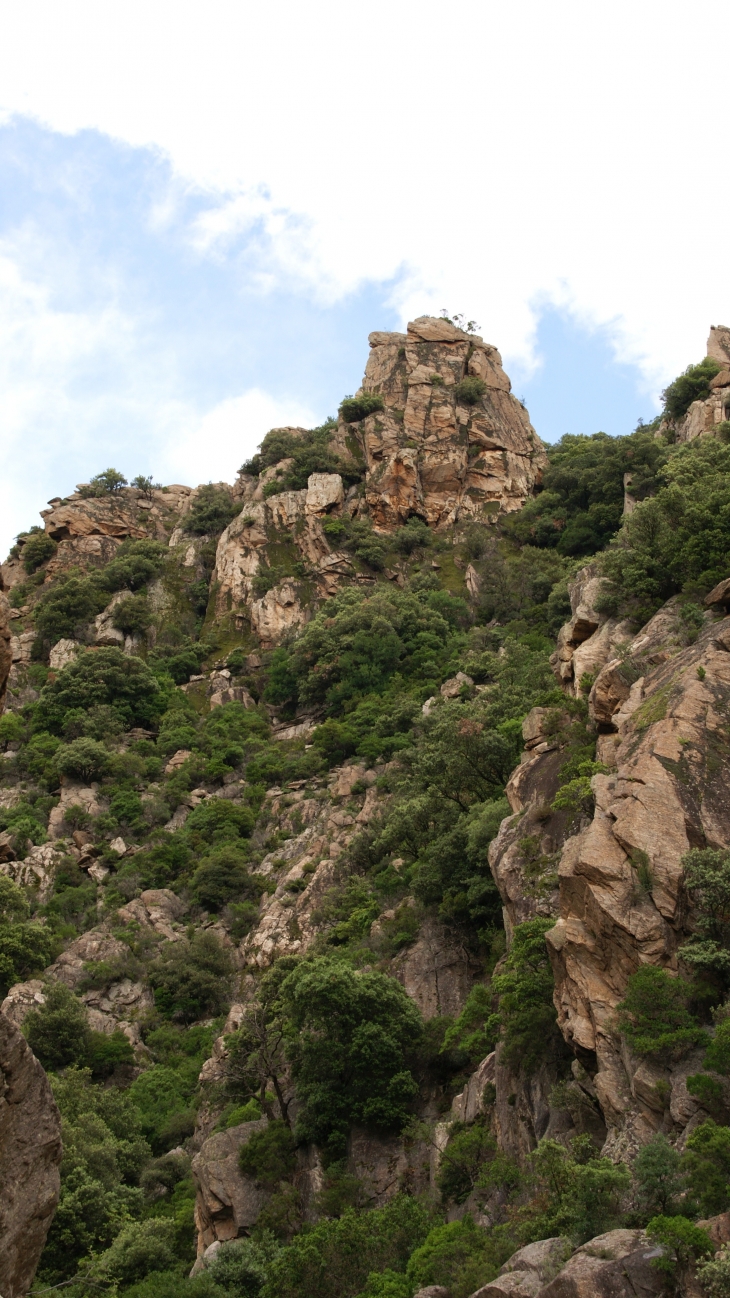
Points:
(6, 657)
(431, 452)
(621, 897)
(30, 1155)
(590, 638)
(227, 1203)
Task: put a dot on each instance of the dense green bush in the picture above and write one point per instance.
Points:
(37, 549)
(653, 1015)
(84, 759)
(25, 946)
(106, 676)
(334, 1258)
(64, 611)
(580, 506)
(221, 877)
(353, 409)
(525, 989)
(218, 821)
(268, 1155)
(133, 615)
(470, 390)
(107, 483)
(134, 564)
(707, 880)
(58, 1031)
(692, 385)
(192, 979)
(211, 511)
(350, 1038)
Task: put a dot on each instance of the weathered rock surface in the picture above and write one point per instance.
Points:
(6, 657)
(227, 1203)
(528, 1270)
(437, 971)
(430, 452)
(30, 1155)
(590, 638)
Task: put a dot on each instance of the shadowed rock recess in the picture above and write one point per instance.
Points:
(365, 856)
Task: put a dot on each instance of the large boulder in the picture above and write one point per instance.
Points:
(30, 1155)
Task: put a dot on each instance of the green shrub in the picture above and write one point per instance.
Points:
(353, 409)
(139, 1249)
(268, 1155)
(192, 979)
(221, 877)
(707, 880)
(658, 1177)
(107, 676)
(413, 535)
(241, 1267)
(58, 1032)
(219, 821)
(350, 1039)
(714, 1275)
(692, 385)
(25, 947)
(133, 615)
(38, 548)
(653, 1016)
(706, 1167)
(683, 1242)
(334, 1258)
(470, 390)
(107, 483)
(525, 989)
(64, 611)
(84, 759)
(211, 511)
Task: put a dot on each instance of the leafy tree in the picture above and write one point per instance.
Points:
(581, 503)
(145, 485)
(139, 1249)
(192, 979)
(133, 615)
(692, 385)
(470, 390)
(66, 609)
(268, 1155)
(706, 1167)
(221, 877)
(134, 564)
(25, 947)
(58, 1032)
(653, 1016)
(525, 989)
(84, 759)
(350, 1039)
(353, 409)
(107, 483)
(211, 511)
(106, 676)
(454, 1251)
(219, 821)
(583, 1192)
(658, 1177)
(683, 1242)
(334, 1258)
(37, 549)
(707, 879)
(241, 1267)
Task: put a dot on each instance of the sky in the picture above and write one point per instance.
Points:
(206, 207)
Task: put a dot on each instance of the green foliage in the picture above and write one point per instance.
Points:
(211, 511)
(707, 880)
(268, 1155)
(413, 536)
(653, 1016)
(58, 1032)
(63, 611)
(334, 1258)
(140, 1248)
(84, 759)
(192, 979)
(458, 1256)
(25, 947)
(106, 676)
(581, 503)
(470, 390)
(525, 990)
(281, 681)
(679, 538)
(133, 615)
(714, 1274)
(107, 483)
(242, 1266)
(361, 1075)
(692, 385)
(706, 1167)
(218, 821)
(582, 1193)
(683, 1242)
(658, 1177)
(462, 1165)
(38, 547)
(133, 566)
(353, 409)
(221, 877)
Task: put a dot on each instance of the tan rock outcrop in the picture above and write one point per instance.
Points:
(437, 970)
(6, 656)
(227, 1202)
(429, 451)
(590, 638)
(621, 896)
(30, 1155)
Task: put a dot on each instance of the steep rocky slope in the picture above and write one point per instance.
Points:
(340, 810)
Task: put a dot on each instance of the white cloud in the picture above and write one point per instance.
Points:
(215, 444)
(492, 157)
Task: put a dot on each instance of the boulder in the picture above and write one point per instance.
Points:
(30, 1154)
(528, 1270)
(227, 1202)
(615, 1265)
(63, 653)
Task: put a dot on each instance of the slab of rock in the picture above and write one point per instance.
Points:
(615, 1265)
(528, 1270)
(156, 908)
(227, 1202)
(73, 794)
(469, 1103)
(63, 653)
(30, 1155)
(436, 971)
(6, 657)
(37, 871)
